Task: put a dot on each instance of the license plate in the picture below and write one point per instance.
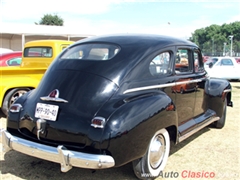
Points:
(46, 111)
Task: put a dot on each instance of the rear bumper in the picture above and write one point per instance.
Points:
(60, 154)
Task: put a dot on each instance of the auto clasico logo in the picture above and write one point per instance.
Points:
(184, 174)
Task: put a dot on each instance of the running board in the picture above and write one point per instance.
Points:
(185, 136)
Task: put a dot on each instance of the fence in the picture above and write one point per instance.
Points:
(234, 54)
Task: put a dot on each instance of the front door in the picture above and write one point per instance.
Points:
(184, 89)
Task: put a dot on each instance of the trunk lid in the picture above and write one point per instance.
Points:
(83, 94)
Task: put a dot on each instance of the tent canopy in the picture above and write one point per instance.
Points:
(11, 31)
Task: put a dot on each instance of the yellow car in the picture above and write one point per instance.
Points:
(16, 81)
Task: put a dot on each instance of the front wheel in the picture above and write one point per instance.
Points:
(11, 97)
(155, 159)
(221, 122)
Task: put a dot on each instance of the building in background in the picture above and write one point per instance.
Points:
(14, 36)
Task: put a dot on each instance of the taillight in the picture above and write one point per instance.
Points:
(15, 108)
(98, 122)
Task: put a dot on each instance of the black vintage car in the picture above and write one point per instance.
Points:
(109, 100)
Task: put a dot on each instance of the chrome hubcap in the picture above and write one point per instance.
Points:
(157, 151)
(17, 95)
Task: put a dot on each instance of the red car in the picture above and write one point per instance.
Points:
(11, 58)
(205, 58)
(238, 60)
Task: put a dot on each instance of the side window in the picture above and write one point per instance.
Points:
(160, 64)
(198, 63)
(183, 61)
(226, 62)
(14, 61)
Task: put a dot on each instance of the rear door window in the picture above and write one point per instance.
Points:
(160, 64)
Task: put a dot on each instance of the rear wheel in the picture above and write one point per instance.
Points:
(155, 159)
(11, 97)
(181, 90)
(221, 122)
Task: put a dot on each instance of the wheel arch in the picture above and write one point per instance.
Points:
(172, 131)
(10, 89)
(217, 90)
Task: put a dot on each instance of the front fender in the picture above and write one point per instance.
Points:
(216, 91)
(131, 127)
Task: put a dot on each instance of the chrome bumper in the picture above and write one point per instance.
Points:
(60, 154)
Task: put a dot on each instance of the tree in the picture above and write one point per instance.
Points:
(53, 20)
(214, 39)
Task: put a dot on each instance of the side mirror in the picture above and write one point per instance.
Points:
(210, 65)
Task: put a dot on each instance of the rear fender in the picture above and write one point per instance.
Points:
(134, 124)
(18, 82)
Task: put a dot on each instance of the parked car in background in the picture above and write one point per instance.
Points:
(11, 58)
(225, 67)
(107, 101)
(5, 50)
(205, 58)
(238, 60)
(37, 56)
(211, 61)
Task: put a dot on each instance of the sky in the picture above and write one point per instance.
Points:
(167, 17)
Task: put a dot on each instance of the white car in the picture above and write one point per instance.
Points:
(225, 67)
(5, 50)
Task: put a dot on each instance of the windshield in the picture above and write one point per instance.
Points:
(93, 51)
(212, 60)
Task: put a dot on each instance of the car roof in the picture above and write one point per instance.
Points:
(137, 39)
(46, 42)
(11, 54)
(134, 48)
(5, 50)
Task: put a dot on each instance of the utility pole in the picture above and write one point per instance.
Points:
(231, 38)
(224, 49)
(213, 46)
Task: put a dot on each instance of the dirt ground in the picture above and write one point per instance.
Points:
(211, 152)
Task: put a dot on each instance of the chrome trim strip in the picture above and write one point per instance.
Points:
(65, 157)
(47, 98)
(189, 82)
(162, 85)
(227, 90)
(148, 87)
(185, 136)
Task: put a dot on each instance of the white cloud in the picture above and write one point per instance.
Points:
(234, 18)
(20, 9)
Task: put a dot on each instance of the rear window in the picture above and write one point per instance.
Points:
(91, 52)
(38, 52)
